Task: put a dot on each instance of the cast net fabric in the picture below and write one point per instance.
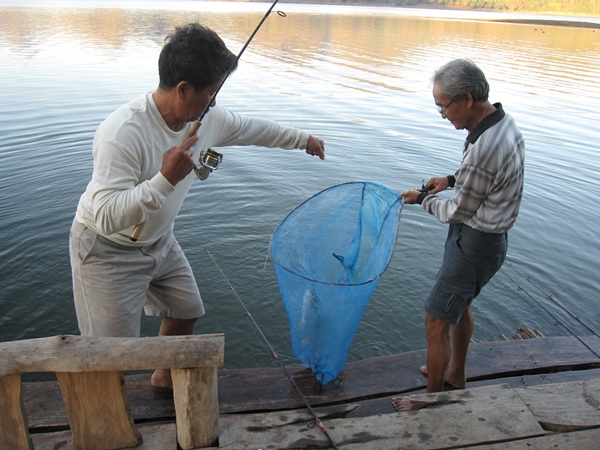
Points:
(329, 254)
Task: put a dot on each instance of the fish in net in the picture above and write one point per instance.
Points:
(329, 254)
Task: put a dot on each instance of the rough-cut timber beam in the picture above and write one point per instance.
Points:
(91, 354)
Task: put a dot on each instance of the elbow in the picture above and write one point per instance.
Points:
(104, 226)
(104, 219)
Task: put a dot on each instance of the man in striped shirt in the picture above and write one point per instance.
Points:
(488, 188)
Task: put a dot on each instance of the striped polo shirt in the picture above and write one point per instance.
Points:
(488, 186)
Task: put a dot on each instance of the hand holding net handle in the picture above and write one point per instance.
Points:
(135, 234)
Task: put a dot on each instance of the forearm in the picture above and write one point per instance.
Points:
(243, 130)
(471, 185)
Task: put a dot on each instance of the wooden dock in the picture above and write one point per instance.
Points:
(521, 394)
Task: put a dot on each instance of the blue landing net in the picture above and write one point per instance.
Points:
(329, 254)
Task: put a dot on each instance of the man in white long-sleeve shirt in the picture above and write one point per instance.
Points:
(488, 188)
(142, 173)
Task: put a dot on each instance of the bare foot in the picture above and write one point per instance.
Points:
(161, 378)
(448, 386)
(404, 404)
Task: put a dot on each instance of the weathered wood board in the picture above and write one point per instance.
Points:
(564, 407)
(578, 440)
(383, 405)
(247, 390)
(66, 353)
(13, 420)
(459, 418)
(155, 437)
(98, 410)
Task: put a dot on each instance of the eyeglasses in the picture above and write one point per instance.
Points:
(442, 109)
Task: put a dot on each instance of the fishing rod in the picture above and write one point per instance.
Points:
(557, 302)
(557, 320)
(210, 159)
(274, 354)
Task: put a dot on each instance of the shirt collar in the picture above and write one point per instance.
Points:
(488, 121)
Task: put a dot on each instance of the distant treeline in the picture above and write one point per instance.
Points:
(591, 7)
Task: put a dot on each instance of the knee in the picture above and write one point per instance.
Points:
(436, 328)
(467, 316)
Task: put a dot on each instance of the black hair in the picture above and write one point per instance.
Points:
(195, 54)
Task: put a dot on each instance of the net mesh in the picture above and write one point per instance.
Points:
(329, 254)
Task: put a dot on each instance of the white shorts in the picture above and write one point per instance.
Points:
(113, 283)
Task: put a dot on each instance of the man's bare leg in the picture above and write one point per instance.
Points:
(161, 378)
(438, 357)
(461, 338)
(438, 352)
(460, 334)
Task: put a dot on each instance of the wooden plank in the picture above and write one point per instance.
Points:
(268, 389)
(458, 418)
(98, 410)
(156, 437)
(278, 430)
(383, 405)
(564, 407)
(14, 432)
(86, 353)
(196, 406)
(578, 440)
(44, 405)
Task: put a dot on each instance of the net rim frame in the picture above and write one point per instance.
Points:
(364, 183)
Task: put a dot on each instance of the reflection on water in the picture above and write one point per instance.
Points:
(357, 77)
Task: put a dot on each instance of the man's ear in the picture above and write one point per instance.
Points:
(469, 99)
(183, 88)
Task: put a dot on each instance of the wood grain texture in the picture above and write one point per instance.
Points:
(196, 406)
(14, 433)
(98, 410)
(86, 353)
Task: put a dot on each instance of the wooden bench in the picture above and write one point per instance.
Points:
(90, 375)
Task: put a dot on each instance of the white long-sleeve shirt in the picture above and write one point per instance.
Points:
(127, 186)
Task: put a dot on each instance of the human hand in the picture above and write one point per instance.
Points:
(438, 184)
(177, 162)
(410, 196)
(315, 147)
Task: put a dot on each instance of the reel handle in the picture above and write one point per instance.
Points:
(137, 231)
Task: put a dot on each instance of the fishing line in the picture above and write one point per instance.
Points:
(556, 319)
(273, 354)
(231, 69)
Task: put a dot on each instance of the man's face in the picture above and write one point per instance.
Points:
(451, 109)
(198, 99)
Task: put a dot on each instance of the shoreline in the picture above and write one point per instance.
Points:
(562, 19)
(556, 23)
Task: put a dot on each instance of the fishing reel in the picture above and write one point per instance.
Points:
(424, 190)
(209, 161)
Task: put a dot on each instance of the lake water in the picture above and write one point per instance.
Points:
(357, 77)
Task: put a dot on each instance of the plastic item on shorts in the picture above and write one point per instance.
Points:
(329, 255)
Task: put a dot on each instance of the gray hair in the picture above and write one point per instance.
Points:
(460, 77)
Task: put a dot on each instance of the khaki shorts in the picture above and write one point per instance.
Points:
(112, 283)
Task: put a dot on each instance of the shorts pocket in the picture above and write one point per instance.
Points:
(85, 243)
(458, 297)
